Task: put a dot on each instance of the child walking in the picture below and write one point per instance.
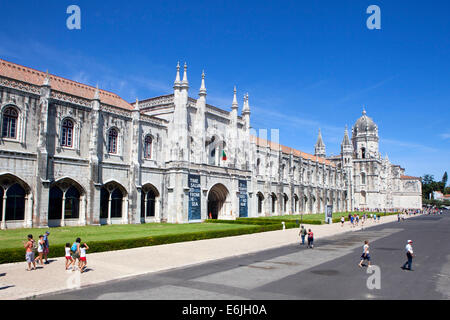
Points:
(69, 259)
(83, 261)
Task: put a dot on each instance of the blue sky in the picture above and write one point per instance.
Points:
(305, 64)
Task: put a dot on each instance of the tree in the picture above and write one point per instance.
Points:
(427, 179)
(445, 178)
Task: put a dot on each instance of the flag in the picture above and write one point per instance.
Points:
(224, 156)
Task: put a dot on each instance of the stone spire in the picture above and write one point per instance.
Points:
(246, 107)
(234, 105)
(97, 93)
(202, 91)
(46, 79)
(136, 106)
(319, 149)
(177, 82)
(346, 140)
(185, 82)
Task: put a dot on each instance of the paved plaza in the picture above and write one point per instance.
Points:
(243, 264)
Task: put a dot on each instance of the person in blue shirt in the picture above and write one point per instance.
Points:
(46, 247)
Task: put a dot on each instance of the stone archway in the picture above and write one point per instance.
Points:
(218, 201)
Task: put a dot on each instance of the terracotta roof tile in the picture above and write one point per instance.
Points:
(29, 75)
(409, 178)
(287, 150)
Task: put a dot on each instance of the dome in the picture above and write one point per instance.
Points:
(365, 124)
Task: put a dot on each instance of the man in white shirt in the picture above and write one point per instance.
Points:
(409, 255)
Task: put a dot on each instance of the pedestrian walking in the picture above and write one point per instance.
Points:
(351, 221)
(379, 218)
(310, 239)
(69, 259)
(83, 260)
(398, 217)
(365, 255)
(342, 221)
(30, 247)
(40, 249)
(303, 234)
(409, 255)
(47, 246)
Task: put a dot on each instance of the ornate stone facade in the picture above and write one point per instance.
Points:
(72, 154)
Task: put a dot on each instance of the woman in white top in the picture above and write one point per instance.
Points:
(40, 249)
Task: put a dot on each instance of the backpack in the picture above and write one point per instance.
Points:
(35, 246)
(74, 247)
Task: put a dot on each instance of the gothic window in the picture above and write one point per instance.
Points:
(67, 133)
(363, 178)
(72, 207)
(258, 163)
(55, 203)
(9, 123)
(116, 203)
(363, 153)
(274, 201)
(285, 202)
(112, 141)
(260, 202)
(148, 203)
(15, 203)
(148, 147)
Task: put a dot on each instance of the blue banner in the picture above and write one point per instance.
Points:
(243, 199)
(195, 212)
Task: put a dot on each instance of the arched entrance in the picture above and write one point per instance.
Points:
(67, 203)
(149, 202)
(218, 201)
(113, 203)
(260, 202)
(15, 207)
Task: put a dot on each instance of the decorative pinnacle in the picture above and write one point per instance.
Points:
(177, 78)
(47, 79)
(364, 111)
(246, 107)
(203, 87)
(136, 106)
(235, 103)
(97, 93)
(185, 81)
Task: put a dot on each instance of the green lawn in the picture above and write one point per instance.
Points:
(62, 235)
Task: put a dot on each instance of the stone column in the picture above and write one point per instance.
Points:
(109, 208)
(63, 209)
(4, 212)
(145, 207)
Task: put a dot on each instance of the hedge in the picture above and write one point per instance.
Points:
(18, 254)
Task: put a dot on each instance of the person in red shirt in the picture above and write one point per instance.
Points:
(310, 239)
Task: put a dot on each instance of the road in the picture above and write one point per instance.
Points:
(329, 271)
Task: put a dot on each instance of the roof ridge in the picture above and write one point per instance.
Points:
(73, 83)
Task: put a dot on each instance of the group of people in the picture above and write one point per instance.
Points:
(355, 219)
(409, 255)
(73, 253)
(303, 233)
(40, 247)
